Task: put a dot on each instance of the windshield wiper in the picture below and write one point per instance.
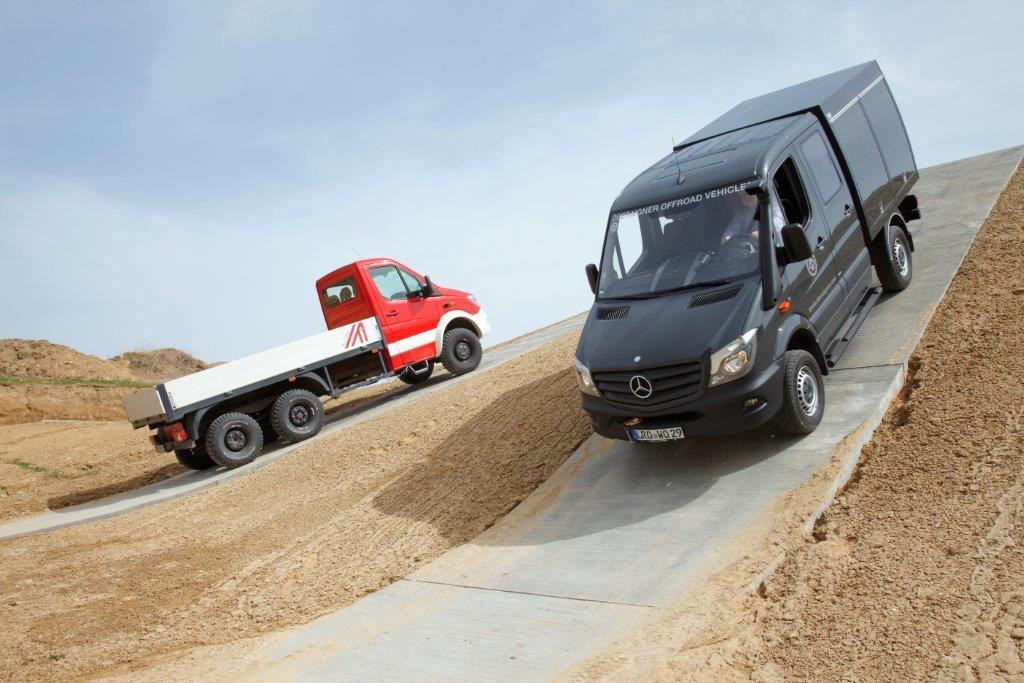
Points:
(652, 295)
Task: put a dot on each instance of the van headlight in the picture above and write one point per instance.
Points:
(584, 379)
(734, 359)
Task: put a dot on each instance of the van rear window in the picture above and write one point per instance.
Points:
(340, 292)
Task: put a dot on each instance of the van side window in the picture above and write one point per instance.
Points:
(412, 283)
(339, 292)
(791, 194)
(389, 283)
(821, 165)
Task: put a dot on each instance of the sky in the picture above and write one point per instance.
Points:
(180, 173)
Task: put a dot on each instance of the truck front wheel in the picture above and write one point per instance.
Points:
(233, 440)
(195, 458)
(803, 393)
(460, 351)
(893, 262)
(297, 414)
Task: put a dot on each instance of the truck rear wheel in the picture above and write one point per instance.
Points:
(296, 415)
(803, 393)
(460, 351)
(410, 377)
(195, 458)
(234, 439)
(893, 262)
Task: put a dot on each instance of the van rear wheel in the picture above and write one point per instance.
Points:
(893, 264)
(460, 351)
(803, 393)
(234, 439)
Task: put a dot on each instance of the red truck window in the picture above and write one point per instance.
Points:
(339, 292)
(390, 284)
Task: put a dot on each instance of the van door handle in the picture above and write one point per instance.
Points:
(847, 210)
(821, 243)
(391, 314)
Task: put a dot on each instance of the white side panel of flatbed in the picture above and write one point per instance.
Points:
(260, 366)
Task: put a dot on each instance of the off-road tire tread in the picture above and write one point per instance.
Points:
(413, 379)
(195, 458)
(452, 364)
(790, 418)
(279, 416)
(223, 459)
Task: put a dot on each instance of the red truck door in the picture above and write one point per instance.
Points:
(409, 320)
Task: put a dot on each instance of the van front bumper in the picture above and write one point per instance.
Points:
(719, 410)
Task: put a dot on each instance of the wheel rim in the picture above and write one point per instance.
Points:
(235, 439)
(463, 350)
(899, 255)
(299, 415)
(807, 391)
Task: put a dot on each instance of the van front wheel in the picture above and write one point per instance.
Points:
(803, 393)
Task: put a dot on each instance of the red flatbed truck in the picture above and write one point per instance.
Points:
(383, 320)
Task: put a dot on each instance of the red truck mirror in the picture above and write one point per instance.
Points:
(428, 287)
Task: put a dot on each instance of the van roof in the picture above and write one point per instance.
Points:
(711, 163)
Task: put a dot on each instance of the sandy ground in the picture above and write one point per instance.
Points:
(917, 570)
(334, 520)
(51, 464)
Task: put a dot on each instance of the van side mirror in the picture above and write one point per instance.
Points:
(428, 287)
(592, 277)
(795, 246)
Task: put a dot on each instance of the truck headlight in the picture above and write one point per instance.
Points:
(584, 379)
(734, 359)
(471, 298)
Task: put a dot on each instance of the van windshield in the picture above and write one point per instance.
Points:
(703, 239)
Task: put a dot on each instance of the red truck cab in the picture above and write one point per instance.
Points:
(421, 322)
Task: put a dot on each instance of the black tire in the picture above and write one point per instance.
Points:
(195, 458)
(410, 377)
(460, 351)
(893, 262)
(234, 439)
(297, 415)
(803, 393)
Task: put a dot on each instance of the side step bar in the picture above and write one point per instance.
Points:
(865, 306)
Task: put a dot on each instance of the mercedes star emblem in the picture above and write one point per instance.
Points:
(641, 386)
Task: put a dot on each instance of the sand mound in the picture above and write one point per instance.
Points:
(160, 365)
(39, 358)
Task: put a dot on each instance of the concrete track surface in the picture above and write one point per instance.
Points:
(190, 482)
(619, 531)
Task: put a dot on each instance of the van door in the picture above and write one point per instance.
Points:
(853, 262)
(409, 319)
(812, 285)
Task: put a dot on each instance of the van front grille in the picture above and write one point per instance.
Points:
(670, 383)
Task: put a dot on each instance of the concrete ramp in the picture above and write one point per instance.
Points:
(620, 530)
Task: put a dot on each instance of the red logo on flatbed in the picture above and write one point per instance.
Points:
(356, 335)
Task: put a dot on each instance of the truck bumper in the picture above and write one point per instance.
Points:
(720, 410)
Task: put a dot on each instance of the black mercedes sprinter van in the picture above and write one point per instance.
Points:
(735, 270)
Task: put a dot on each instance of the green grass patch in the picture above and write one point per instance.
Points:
(38, 469)
(74, 381)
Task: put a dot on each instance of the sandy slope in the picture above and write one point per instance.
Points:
(336, 519)
(917, 570)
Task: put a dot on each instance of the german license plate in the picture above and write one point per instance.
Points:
(663, 434)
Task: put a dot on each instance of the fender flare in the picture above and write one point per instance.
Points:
(797, 324)
(447, 319)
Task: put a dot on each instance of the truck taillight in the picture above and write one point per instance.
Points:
(175, 432)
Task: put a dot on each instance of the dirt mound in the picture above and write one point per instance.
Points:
(38, 358)
(340, 517)
(160, 365)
